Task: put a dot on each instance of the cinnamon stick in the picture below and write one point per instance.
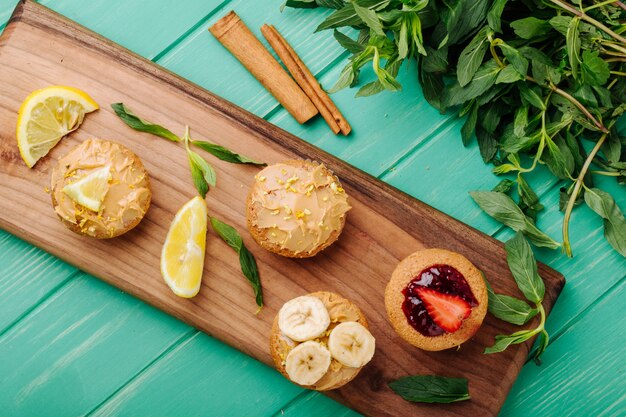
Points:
(306, 80)
(239, 40)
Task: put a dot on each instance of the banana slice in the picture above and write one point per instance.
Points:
(351, 344)
(307, 363)
(303, 318)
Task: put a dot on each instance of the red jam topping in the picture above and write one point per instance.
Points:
(441, 278)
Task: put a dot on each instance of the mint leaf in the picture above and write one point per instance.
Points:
(246, 259)
(202, 173)
(431, 389)
(370, 18)
(470, 124)
(528, 198)
(538, 237)
(543, 344)
(482, 80)
(348, 43)
(573, 45)
(433, 87)
(532, 96)
(458, 19)
(614, 222)
(472, 56)
(520, 121)
(435, 60)
(502, 208)
(595, 70)
(504, 341)
(523, 266)
(301, 4)
(515, 58)
(530, 27)
(225, 154)
(345, 16)
(503, 186)
(509, 75)
(312, 4)
(331, 4)
(142, 125)
(559, 159)
(510, 309)
(370, 89)
(495, 15)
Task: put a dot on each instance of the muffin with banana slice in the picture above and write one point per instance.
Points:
(100, 189)
(321, 341)
(296, 208)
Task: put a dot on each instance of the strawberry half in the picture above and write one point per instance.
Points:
(447, 311)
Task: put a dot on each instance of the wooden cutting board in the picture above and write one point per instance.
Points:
(41, 48)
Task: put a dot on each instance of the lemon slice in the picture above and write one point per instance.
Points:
(182, 258)
(46, 116)
(89, 191)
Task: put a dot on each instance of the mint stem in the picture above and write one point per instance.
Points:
(572, 199)
(588, 19)
(575, 102)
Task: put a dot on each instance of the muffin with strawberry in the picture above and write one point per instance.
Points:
(436, 299)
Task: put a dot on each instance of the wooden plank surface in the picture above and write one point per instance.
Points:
(599, 333)
(45, 374)
(248, 131)
(155, 388)
(208, 69)
(28, 276)
(163, 23)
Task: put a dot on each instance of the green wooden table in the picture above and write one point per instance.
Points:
(73, 345)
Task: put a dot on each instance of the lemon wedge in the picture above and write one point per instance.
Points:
(89, 191)
(46, 116)
(182, 257)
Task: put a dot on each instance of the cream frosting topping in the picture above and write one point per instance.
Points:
(300, 205)
(128, 195)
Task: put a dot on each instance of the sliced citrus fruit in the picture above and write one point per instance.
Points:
(46, 116)
(182, 258)
(89, 191)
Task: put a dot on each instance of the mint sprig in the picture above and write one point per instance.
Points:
(523, 266)
(142, 125)
(204, 176)
(502, 208)
(137, 123)
(541, 83)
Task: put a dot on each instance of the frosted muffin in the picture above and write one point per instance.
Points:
(321, 341)
(100, 189)
(296, 208)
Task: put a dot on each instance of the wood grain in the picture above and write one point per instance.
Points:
(21, 286)
(40, 48)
